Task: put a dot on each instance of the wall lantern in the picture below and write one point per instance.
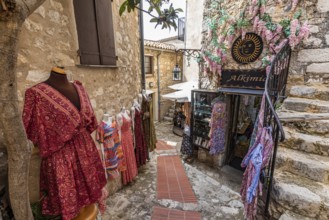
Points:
(176, 73)
(151, 84)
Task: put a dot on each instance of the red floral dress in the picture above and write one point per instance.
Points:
(141, 148)
(128, 151)
(72, 175)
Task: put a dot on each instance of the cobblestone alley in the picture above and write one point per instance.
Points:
(168, 188)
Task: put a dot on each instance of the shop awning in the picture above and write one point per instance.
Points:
(179, 96)
(185, 86)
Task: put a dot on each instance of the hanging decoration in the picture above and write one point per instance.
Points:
(247, 50)
(222, 28)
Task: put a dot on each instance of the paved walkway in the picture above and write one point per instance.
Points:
(215, 193)
(173, 184)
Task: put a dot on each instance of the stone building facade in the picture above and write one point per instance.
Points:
(49, 38)
(300, 189)
(163, 58)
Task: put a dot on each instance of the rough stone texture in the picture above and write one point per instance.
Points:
(217, 193)
(311, 166)
(193, 38)
(306, 105)
(301, 196)
(306, 142)
(318, 68)
(49, 38)
(323, 6)
(167, 62)
(314, 55)
(310, 92)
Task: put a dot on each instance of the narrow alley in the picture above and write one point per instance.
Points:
(168, 188)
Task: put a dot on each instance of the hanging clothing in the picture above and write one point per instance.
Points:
(72, 175)
(255, 161)
(218, 126)
(140, 144)
(108, 135)
(128, 151)
(148, 124)
(186, 147)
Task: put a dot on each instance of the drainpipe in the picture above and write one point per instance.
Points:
(141, 33)
(159, 95)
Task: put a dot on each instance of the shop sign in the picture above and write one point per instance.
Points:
(251, 79)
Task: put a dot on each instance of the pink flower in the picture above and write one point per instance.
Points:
(262, 10)
(254, 13)
(230, 38)
(243, 33)
(268, 35)
(293, 40)
(304, 30)
(224, 58)
(294, 4)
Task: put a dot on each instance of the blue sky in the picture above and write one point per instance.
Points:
(150, 33)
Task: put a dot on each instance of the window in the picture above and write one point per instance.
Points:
(95, 32)
(148, 63)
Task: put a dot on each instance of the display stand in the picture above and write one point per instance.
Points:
(200, 117)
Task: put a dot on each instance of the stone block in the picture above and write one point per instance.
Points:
(313, 41)
(314, 55)
(323, 6)
(314, 29)
(37, 75)
(327, 39)
(318, 68)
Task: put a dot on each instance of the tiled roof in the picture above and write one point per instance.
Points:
(159, 45)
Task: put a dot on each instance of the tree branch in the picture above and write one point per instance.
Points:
(147, 12)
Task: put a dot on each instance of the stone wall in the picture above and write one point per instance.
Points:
(193, 36)
(167, 62)
(49, 38)
(304, 66)
(309, 61)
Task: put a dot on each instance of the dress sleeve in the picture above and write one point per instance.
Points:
(92, 126)
(30, 116)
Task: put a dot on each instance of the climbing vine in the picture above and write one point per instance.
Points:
(223, 28)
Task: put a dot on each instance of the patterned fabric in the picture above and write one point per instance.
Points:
(218, 128)
(148, 124)
(256, 160)
(186, 147)
(128, 151)
(72, 175)
(108, 135)
(140, 144)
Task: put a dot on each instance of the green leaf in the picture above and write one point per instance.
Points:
(298, 14)
(122, 8)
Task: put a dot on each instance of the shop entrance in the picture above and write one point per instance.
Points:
(242, 119)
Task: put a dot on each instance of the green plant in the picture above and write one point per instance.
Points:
(166, 17)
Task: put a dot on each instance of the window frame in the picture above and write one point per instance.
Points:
(151, 72)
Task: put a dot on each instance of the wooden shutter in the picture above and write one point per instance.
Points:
(87, 31)
(105, 32)
(95, 32)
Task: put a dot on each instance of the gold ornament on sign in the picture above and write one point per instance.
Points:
(247, 50)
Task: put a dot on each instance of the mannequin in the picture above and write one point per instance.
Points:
(59, 119)
(58, 80)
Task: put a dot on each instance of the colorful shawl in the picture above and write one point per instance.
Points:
(255, 161)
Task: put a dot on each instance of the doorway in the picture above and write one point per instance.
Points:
(242, 119)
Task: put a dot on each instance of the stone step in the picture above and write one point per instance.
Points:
(306, 105)
(171, 115)
(300, 195)
(317, 78)
(305, 142)
(312, 166)
(307, 123)
(310, 91)
(171, 110)
(288, 215)
(168, 119)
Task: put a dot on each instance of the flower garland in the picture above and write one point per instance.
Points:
(222, 29)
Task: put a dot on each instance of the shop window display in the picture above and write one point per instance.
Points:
(201, 117)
